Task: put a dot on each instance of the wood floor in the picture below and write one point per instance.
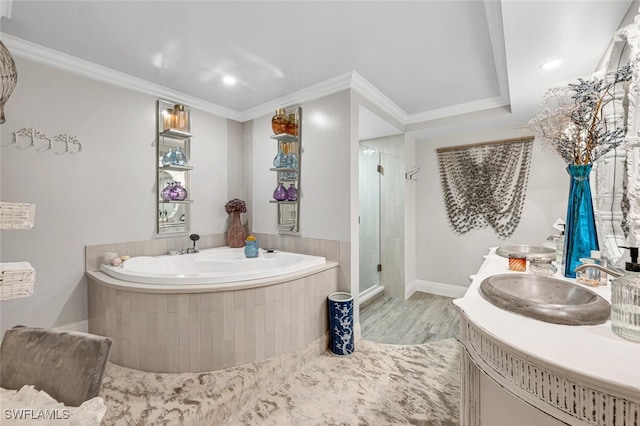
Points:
(422, 318)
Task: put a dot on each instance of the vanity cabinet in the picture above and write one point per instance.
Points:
(173, 167)
(287, 166)
(516, 370)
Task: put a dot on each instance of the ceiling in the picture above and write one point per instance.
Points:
(422, 62)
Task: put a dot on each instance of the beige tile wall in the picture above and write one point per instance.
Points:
(209, 331)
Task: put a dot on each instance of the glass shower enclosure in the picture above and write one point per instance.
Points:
(369, 218)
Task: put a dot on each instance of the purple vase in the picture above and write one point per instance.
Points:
(292, 193)
(166, 192)
(177, 192)
(280, 193)
(182, 192)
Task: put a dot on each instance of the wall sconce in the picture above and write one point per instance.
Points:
(8, 78)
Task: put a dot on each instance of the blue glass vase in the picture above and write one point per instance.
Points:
(580, 228)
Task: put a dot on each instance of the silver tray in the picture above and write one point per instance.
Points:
(527, 251)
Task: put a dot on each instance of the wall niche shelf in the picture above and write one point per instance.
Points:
(173, 157)
(287, 166)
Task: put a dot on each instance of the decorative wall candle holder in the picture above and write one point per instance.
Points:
(279, 122)
(517, 263)
(168, 119)
(181, 121)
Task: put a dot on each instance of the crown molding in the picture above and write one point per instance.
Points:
(350, 80)
(372, 94)
(317, 91)
(53, 58)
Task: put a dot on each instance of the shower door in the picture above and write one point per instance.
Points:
(369, 218)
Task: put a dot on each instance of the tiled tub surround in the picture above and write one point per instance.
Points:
(194, 329)
(166, 329)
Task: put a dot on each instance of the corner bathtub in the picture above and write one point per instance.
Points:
(211, 310)
(210, 266)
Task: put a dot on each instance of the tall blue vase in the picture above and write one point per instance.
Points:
(580, 228)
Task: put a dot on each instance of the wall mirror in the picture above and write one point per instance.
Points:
(617, 177)
(173, 156)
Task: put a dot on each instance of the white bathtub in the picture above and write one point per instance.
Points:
(210, 266)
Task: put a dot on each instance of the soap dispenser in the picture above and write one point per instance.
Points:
(625, 300)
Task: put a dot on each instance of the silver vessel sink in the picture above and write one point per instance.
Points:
(545, 299)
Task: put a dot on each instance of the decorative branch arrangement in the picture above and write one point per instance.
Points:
(43, 143)
(485, 184)
(571, 119)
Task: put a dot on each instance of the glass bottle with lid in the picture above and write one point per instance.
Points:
(542, 267)
(625, 300)
(181, 119)
(279, 122)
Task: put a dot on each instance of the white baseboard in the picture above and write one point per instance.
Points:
(82, 326)
(441, 289)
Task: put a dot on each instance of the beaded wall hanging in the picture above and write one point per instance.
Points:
(484, 184)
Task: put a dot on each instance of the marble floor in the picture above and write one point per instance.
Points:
(380, 384)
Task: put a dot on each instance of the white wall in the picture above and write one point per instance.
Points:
(446, 258)
(104, 194)
(325, 165)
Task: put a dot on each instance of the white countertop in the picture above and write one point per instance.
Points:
(593, 351)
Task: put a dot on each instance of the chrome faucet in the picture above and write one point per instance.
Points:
(614, 272)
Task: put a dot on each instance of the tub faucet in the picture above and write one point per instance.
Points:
(614, 272)
(194, 238)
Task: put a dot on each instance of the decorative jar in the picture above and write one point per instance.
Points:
(279, 122)
(166, 192)
(542, 267)
(251, 247)
(168, 158)
(168, 119)
(181, 120)
(625, 300)
(179, 157)
(292, 125)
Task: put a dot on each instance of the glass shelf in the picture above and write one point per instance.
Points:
(176, 134)
(283, 202)
(176, 168)
(175, 201)
(285, 137)
(173, 130)
(283, 169)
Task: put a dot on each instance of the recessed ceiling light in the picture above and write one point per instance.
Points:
(228, 80)
(551, 64)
